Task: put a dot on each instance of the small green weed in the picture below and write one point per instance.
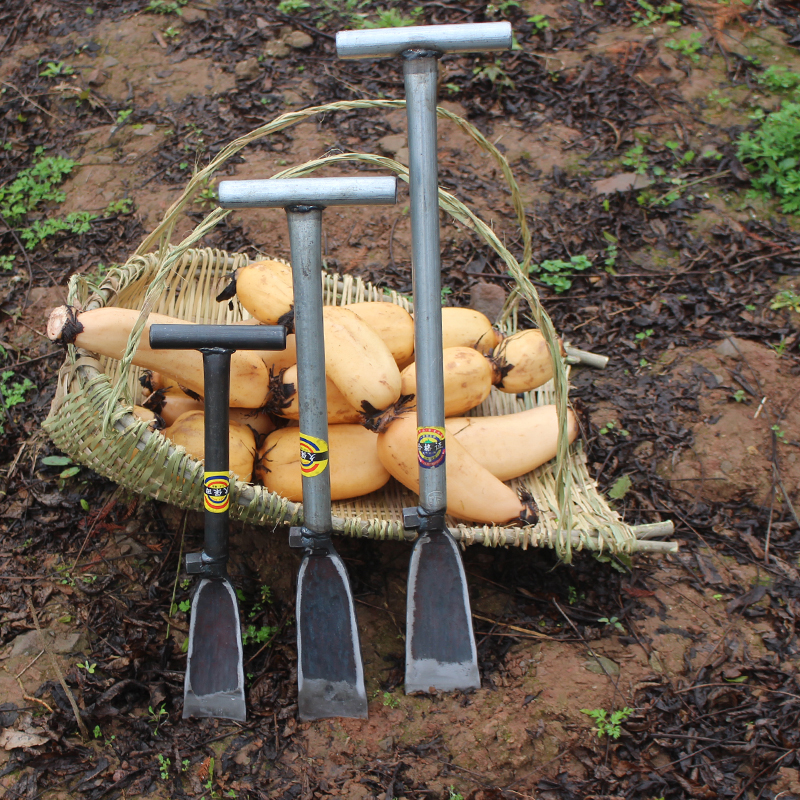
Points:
(156, 718)
(206, 196)
(167, 6)
(171, 33)
(265, 599)
(293, 6)
(163, 766)
(452, 794)
(636, 159)
(642, 335)
(66, 577)
(115, 207)
(606, 725)
(778, 79)
(539, 22)
(56, 69)
(716, 99)
(573, 596)
(76, 223)
(253, 635)
(390, 700)
(780, 348)
(612, 251)
(98, 733)
(786, 299)
(772, 154)
(123, 115)
(503, 7)
(7, 263)
(495, 74)
(348, 12)
(688, 47)
(613, 621)
(739, 395)
(446, 292)
(558, 273)
(649, 14)
(12, 394)
(90, 668)
(780, 434)
(183, 606)
(392, 18)
(611, 427)
(34, 186)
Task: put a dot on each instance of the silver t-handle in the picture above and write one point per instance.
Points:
(466, 38)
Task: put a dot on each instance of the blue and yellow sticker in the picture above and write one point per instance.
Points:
(430, 447)
(313, 455)
(216, 491)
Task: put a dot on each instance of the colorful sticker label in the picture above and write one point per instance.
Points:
(313, 455)
(216, 488)
(430, 447)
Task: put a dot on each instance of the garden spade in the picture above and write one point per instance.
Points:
(440, 642)
(214, 683)
(329, 671)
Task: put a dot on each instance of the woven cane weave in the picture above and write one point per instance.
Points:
(91, 417)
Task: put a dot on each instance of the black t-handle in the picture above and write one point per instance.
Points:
(228, 337)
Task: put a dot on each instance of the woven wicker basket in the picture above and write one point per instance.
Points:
(91, 417)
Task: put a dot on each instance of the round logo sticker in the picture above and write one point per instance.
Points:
(313, 455)
(430, 447)
(216, 486)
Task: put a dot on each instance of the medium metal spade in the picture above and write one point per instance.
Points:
(329, 671)
(440, 642)
(214, 683)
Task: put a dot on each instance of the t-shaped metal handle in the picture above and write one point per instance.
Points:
(314, 192)
(465, 38)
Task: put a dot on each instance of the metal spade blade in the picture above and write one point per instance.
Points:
(214, 685)
(329, 672)
(440, 652)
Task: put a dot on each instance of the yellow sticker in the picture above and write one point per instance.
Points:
(216, 489)
(430, 447)
(313, 455)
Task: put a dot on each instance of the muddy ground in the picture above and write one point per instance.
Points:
(696, 414)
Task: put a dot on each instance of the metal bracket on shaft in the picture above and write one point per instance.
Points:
(202, 564)
(306, 539)
(423, 521)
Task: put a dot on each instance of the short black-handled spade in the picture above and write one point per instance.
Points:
(329, 671)
(440, 642)
(214, 683)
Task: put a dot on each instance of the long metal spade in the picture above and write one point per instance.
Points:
(214, 683)
(440, 642)
(330, 675)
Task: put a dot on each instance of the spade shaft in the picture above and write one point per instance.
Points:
(330, 673)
